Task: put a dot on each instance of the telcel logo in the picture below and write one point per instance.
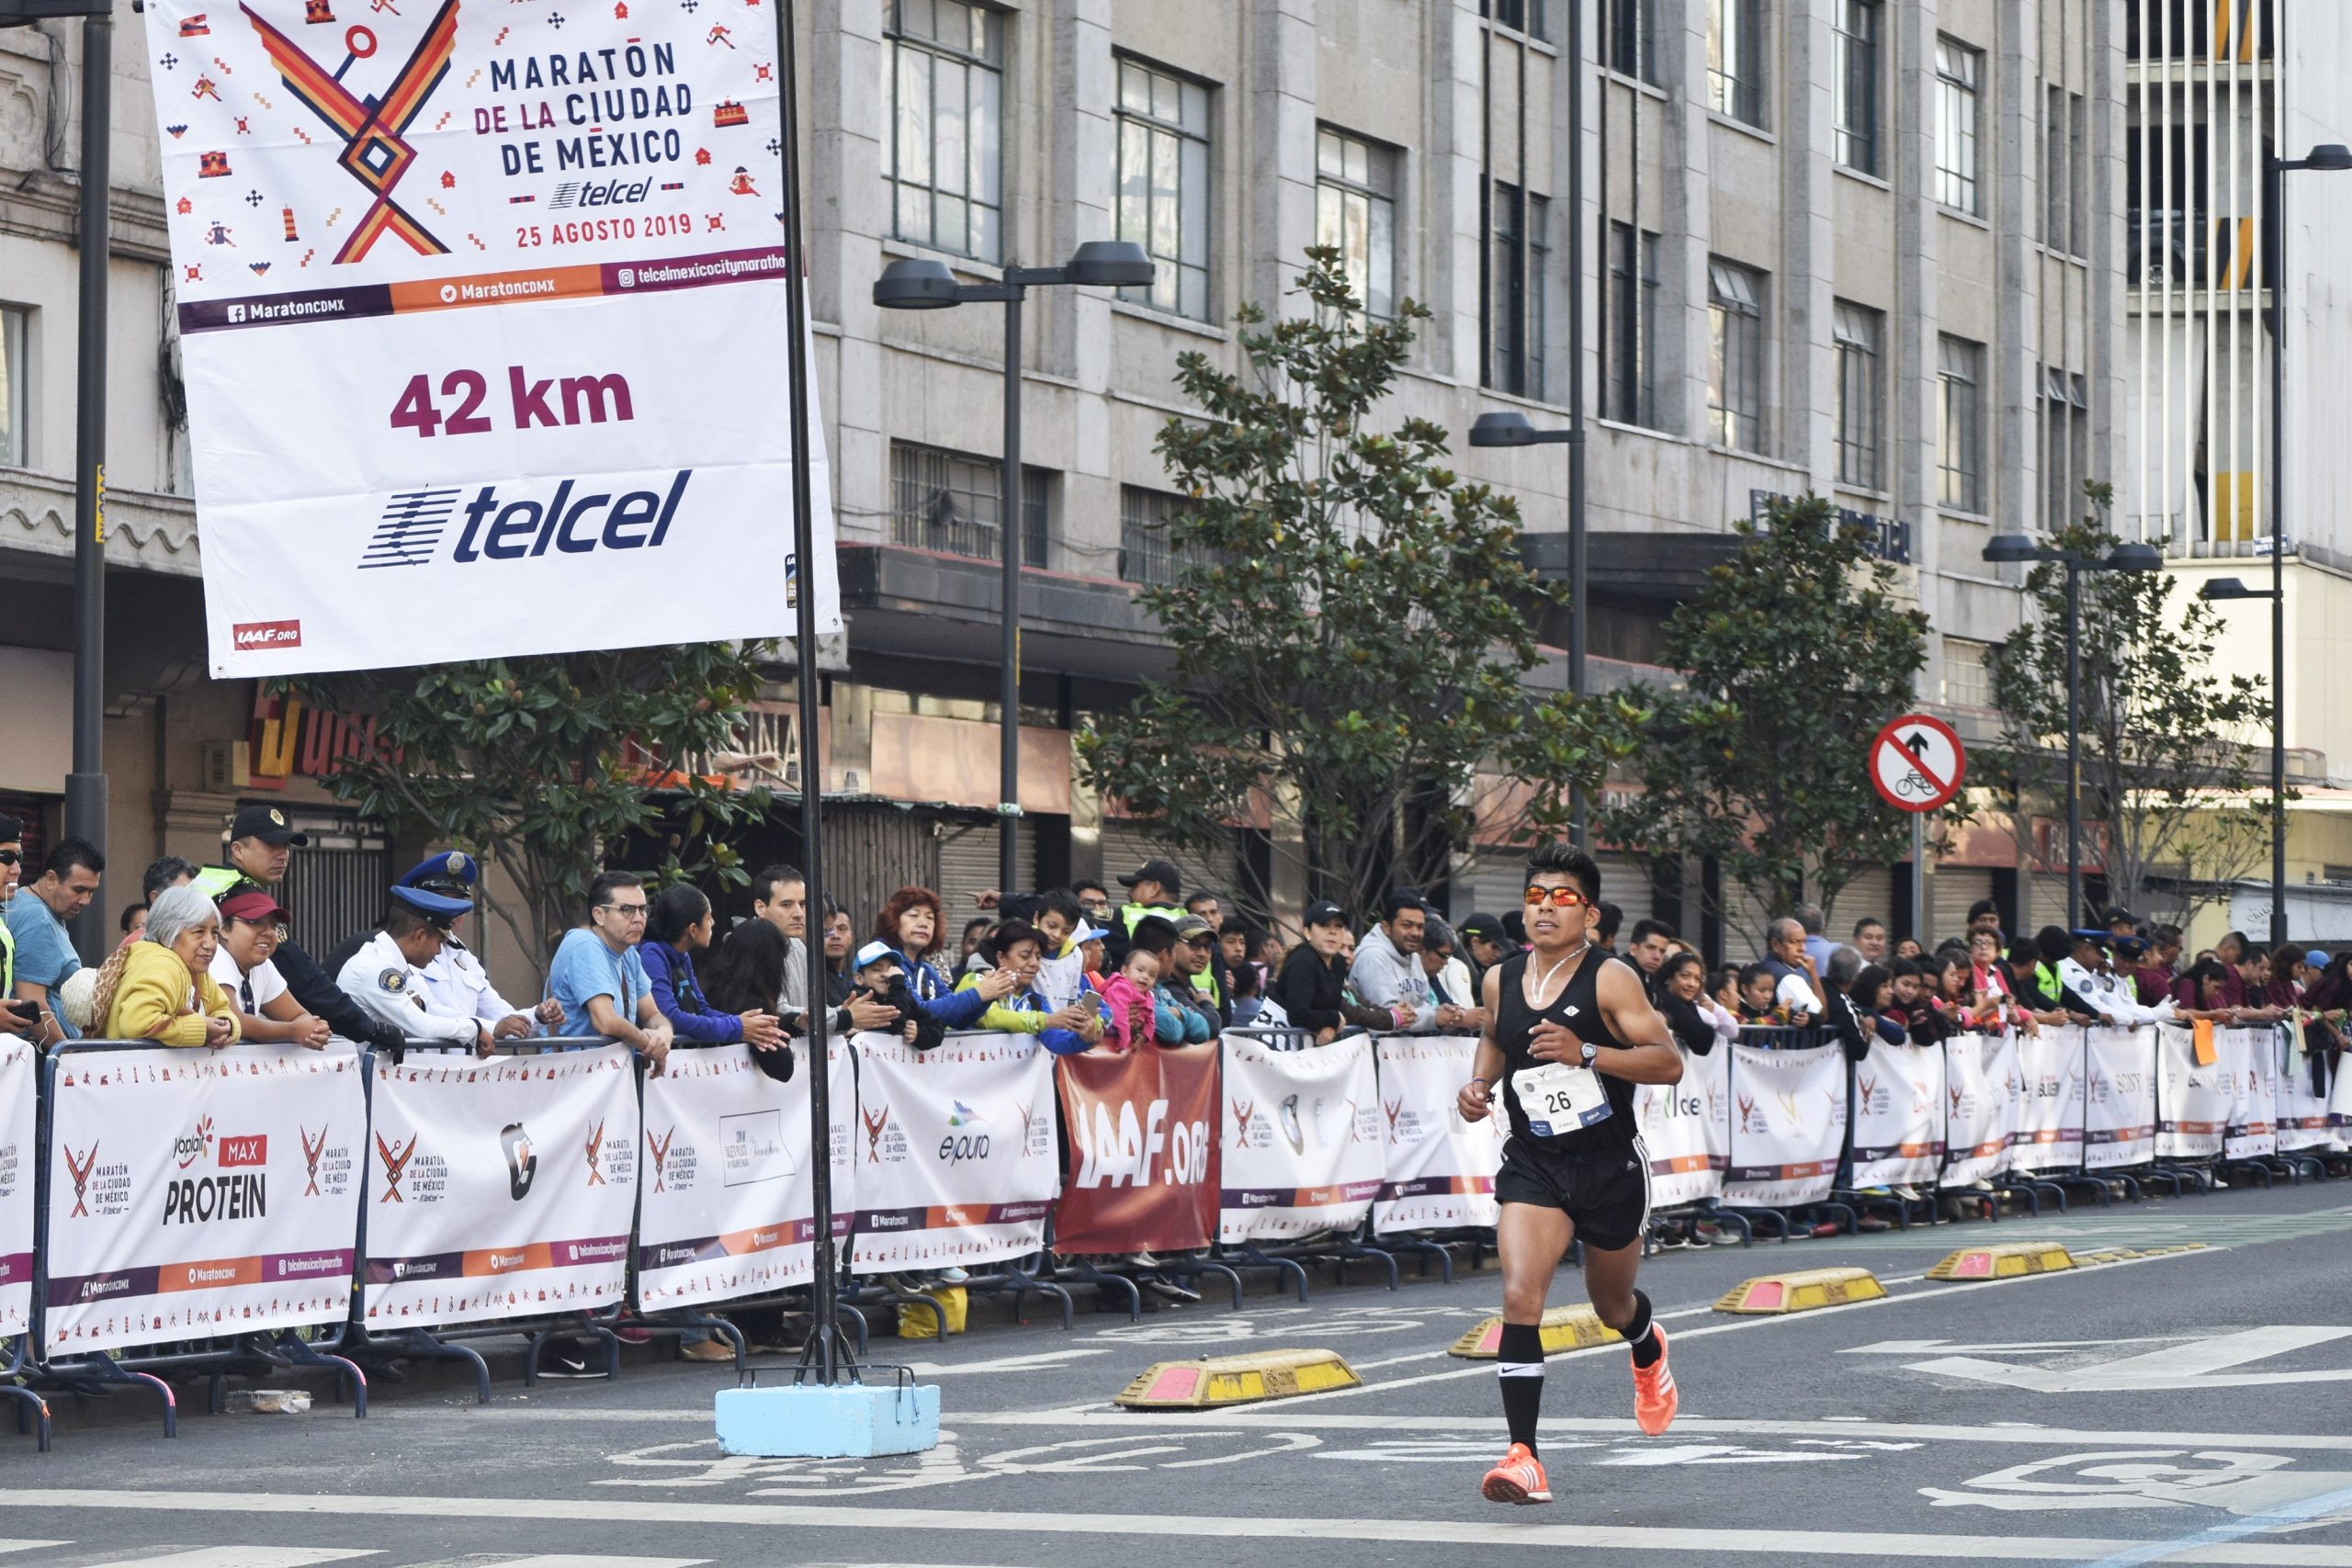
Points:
(498, 528)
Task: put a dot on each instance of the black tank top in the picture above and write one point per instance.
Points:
(1578, 1007)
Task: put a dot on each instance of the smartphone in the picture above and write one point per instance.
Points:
(28, 1011)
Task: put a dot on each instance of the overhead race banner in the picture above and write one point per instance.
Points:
(193, 1194)
(2050, 1100)
(1898, 1115)
(1788, 1125)
(482, 308)
(1438, 1170)
(1980, 1106)
(1686, 1127)
(729, 1204)
(500, 1188)
(2193, 1101)
(1143, 1151)
(1301, 1134)
(953, 1151)
(17, 1065)
(2119, 1098)
(2252, 1058)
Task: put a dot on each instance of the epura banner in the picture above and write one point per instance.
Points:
(1980, 1106)
(1300, 1139)
(728, 1206)
(1686, 1127)
(2193, 1099)
(16, 1222)
(195, 1194)
(2119, 1098)
(500, 1188)
(953, 1152)
(2050, 1101)
(1788, 1125)
(1898, 1115)
(1143, 1129)
(1440, 1169)
(481, 308)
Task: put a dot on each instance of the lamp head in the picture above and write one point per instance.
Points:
(2011, 548)
(2221, 588)
(1110, 263)
(2135, 555)
(911, 284)
(2333, 156)
(1504, 427)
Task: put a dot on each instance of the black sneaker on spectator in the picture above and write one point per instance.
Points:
(571, 1359)
(1167, 1289)
(1672, 1240)
(1693, 1240)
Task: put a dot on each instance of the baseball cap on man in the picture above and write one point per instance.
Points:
(1191, 926)
(1170, 880)
(266, 823)
(1323, 912)
(1486, 928)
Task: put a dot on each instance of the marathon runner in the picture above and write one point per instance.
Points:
(1570, 1034)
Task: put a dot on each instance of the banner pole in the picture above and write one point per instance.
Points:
(823, 1354)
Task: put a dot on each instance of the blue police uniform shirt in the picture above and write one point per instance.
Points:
(584, 968)
(45, 954)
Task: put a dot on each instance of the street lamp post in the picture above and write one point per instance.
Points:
(2133, 556)
(912, 285)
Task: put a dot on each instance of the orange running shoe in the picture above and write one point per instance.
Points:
(1655, 1400)
(1519, 1479)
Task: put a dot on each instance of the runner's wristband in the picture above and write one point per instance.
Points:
(1480, 1082)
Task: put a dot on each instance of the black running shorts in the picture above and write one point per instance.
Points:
(1605, 1196)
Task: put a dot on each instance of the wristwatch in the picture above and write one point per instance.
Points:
(1591, 1052)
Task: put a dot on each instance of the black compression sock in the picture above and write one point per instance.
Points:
(1519, 1363)
(1645, 1345)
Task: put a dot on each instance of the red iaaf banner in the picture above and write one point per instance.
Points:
(1143, 1153)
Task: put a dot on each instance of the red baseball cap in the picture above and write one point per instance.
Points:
(254, 906)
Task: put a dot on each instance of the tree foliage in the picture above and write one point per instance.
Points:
(1352, 625)
(545, 763)
(2162, 748)
(1794, 652)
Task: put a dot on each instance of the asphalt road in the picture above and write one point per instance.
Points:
(2187, 1407)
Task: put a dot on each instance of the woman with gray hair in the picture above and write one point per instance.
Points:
(161, 987)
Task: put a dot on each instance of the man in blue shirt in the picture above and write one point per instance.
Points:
(36, 916)
(599, 980)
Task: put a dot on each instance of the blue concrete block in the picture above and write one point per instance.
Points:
(844, 1422)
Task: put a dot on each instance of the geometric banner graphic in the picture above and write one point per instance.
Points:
(1899, 1116)
(1301, 1134)
(1789, 1123)
(1439, 1170)
(1686, 1127)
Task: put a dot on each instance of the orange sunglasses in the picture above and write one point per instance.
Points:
(1559, 897)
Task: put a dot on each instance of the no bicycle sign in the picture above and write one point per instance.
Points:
(1917, 762)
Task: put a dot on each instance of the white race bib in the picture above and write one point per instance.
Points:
(1559, 1097)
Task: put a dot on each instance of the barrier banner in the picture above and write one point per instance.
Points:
(953, 1151)
(2252, 1129)
(1898, 1115)
(1686, 1127)
(2302, 1111)
(2119, 1098)
(2192, 1100)
(1980, 1106)
(1142, 1150)
(500, 1188)
(2339, 1099)
(1789, 1124)
(728, 1206)
(17, 1065)
(480, 307)
(1300, 1133)
(2050, 1101)
(193, 1194)
(1438, 1170)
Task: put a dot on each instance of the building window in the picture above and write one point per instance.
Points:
(1355, 212)
(944, 83)
(1736, 359)
(1146, 553)
(15, 397)
(1967, 681)
(2055, 189)
(1518, 16)
(1856, 333)
(1164, 186)
(1514, 292)
(952, 503)
(2066, 446)
(1957, 69)
(1853, 84)
(1736, 59)
(2078, 240)
(1632, 38)
(1629, 396)
(1959, 423)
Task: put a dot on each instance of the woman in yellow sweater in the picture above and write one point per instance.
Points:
(159, 988)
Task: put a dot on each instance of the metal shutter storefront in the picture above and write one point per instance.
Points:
(871, 853)
(1126, 845)
(969, 849)
(1953, 889)
(1870, 896)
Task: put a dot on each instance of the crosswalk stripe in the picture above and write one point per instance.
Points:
(241, 1557)
(29, 1545)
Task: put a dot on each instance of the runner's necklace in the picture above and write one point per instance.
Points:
(1545, 978)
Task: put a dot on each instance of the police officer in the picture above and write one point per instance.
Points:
(387, 975)
(455, 981)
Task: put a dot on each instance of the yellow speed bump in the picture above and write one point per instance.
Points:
(2002, 1260)
(1801, 1291)
(1237, 1380)
(1564, 1328)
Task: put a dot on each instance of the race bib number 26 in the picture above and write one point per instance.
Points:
(1560, 1098)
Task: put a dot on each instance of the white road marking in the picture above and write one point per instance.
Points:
(1452, 1534)
(2197, 1362)
(574, 1559)
(30, 1545)
(1922, 1347)
(242, 1557)
(2246, 1484)
(1039, 1361)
